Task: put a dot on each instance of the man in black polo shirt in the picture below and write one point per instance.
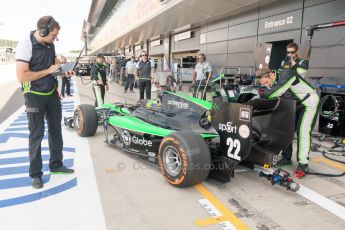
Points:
(145, 69)
(35, 63)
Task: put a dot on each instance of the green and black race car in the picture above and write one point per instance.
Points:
(191, 139)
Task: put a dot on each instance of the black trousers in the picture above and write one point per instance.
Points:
(129, 82)
(66, 84)
(145, 85)
(41, 108)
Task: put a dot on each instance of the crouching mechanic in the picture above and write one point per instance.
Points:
(305, 95)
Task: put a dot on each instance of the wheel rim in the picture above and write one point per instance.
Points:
(77, 120)
(172, 161)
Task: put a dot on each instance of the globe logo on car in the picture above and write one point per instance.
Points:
(126, 137)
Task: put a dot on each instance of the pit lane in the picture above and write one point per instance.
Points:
(134, 195)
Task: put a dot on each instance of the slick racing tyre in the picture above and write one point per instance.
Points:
(184, 159)
(85, 120)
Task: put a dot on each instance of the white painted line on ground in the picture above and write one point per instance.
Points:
(214, 212)
(227, 225)
(210, 209)
(322, 201)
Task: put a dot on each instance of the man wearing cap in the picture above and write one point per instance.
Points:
(305, 95)
(130, 69)
(99, 80)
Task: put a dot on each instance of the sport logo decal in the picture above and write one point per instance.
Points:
(228, 127)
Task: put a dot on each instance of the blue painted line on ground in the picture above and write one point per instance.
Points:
(25, 169)
(65, 149)
(16, 129)
(19, 124)
(20, 160)
(20, 182)
(5, 136)
(39, 195)
(19, 119)
(68, 102)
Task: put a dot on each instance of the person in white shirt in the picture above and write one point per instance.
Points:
(203, 70)
(130, 70)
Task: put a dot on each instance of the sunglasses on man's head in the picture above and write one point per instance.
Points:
(291, 52)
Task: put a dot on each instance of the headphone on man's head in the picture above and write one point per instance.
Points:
(46, 29)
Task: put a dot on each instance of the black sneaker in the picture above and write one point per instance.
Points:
(37, 182)
(284, 162)
(303, 167)
(62, 170)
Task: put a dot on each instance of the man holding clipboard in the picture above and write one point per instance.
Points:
(35, 66)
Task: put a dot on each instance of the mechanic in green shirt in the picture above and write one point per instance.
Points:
(99, 80)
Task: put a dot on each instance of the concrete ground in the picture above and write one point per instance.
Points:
(10, 92)
(135, 196)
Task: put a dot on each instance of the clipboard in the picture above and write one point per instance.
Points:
(67, 67)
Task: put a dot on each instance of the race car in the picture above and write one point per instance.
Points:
(191, 139)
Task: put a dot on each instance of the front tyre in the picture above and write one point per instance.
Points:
(184, 159)
(85, 120)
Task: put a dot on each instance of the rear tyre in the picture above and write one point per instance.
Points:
(184, 159)
(85, 120)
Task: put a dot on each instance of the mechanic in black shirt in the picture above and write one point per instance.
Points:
(35, 63)
(99, 80)
(300, 67)
(145, 70)
(293, 62)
